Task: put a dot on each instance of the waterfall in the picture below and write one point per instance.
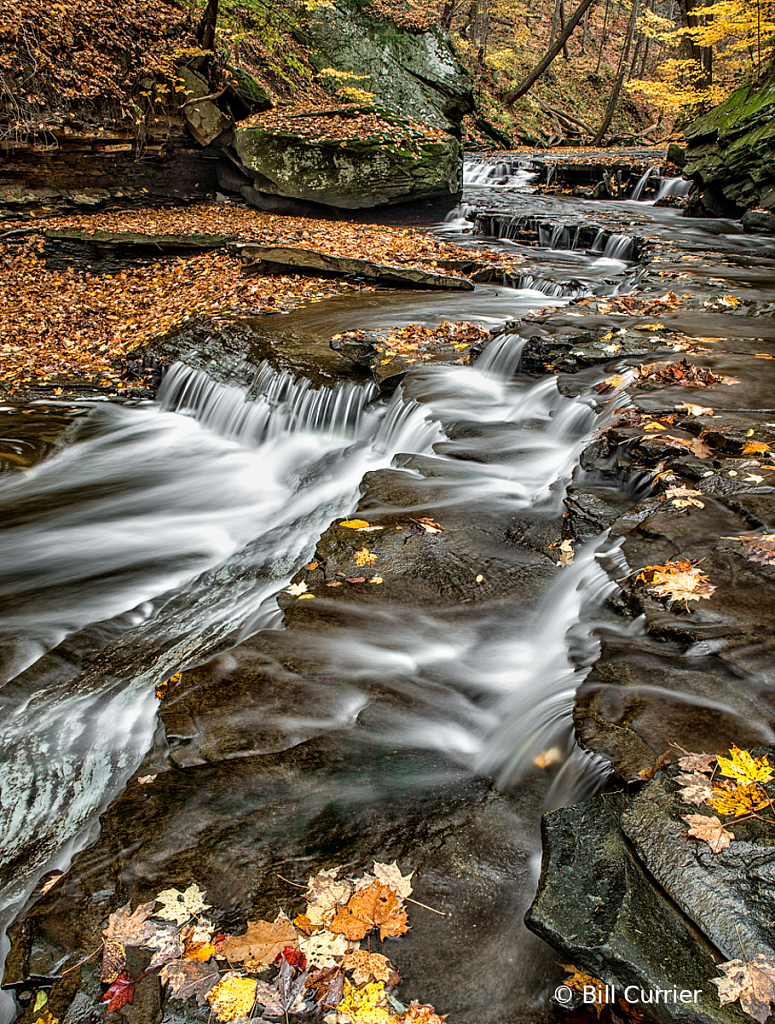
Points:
(673, 187)
(637, 192)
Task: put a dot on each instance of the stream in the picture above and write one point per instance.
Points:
(156, 537)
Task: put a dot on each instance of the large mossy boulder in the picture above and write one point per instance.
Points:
(730, 151)
(412, 72)
(353, 157)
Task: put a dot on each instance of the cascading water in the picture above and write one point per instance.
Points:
(142, 508)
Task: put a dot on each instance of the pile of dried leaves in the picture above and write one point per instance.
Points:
(54, 54)
(343, 125)
(417, 344)
(314, 962)
(677, 581)
(58, 325)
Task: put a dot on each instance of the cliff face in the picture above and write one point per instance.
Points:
(731, 151)
(414, 73)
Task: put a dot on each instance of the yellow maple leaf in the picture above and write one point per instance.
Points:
(745, 767)
(354, 524)
(755, 448)
(233, 997)
(364, 557)
(367, 1005)
(738, 799)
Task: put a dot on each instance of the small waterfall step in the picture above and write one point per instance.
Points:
(530, 231)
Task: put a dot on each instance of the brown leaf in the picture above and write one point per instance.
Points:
(188, 978)
(710, 830)
(752, 982)
(130, 928)
(262, 941)
(376, 906)
(113, 961)
(697, 763)
(366, 967)
(697, 788)
(649, 773)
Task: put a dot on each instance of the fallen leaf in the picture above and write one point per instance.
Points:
(697, 762)
(323, 948)
(390, 875)
(286, 995)
(697, 788)
(130, 928)
(678, 581)
(682, 497)
(113, 961)
(355, 579)
(376, 906)
(354, 524)
(188, 978)
(328, 984)
(759, 549)
(750, 981)
(146, 780)
(738, 799)
(366, 967)
(233, 997)
(695, 410)
(567, 554)
(181, 906)
(755, 448)
(710, 830)
(364, 557)
(297, 589)
(367, 1005)
(121, 992)
(579, 981)
(334, 583)
(416, 1013)
(262, 941)
(744, 767)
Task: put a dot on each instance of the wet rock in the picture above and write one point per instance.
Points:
(341, 167)
(109, 251)
(574, 350)
(676, 154)
(283, 259)
(599, 906)
(759, 222)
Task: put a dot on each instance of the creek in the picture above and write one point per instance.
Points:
(157, 537)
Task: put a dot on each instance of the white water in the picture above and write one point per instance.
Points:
(491, 174)
(146, 502)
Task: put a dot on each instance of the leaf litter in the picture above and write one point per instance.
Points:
(317, 958)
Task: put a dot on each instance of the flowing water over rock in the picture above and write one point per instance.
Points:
(424, 715)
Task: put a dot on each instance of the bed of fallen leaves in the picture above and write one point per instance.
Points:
(343, 124)
(56, 325)
(274, 969)
(53, 53)
(415, 343)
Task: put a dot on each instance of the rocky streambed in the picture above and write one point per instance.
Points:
(395, 599)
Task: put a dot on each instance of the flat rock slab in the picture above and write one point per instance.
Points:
(116, 249)
(284, 259)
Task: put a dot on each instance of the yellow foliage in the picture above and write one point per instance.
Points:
(744, 767)
(367, 1005)
(233, 997)
(738, 799)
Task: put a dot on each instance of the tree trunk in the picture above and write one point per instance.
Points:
(565, 53)
(584, 33)
(520, 90)
(206, 31)
(620, 73)
(602, 36)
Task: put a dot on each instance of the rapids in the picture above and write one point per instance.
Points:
(158, 534)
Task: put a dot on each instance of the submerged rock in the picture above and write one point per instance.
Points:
(352, 157)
